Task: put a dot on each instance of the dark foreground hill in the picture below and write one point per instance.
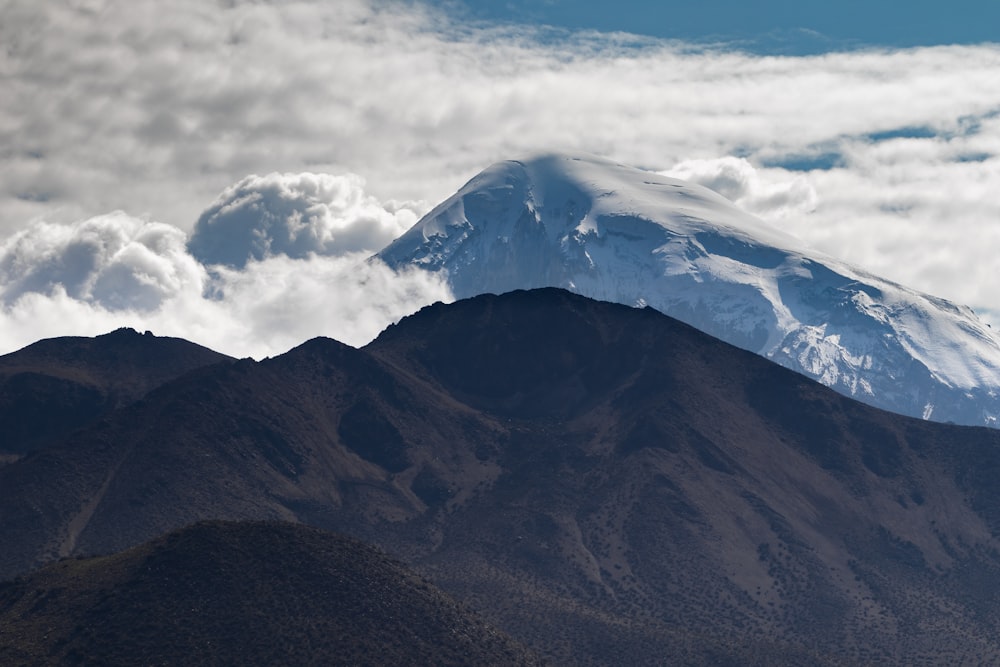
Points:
(242, 594)
(606, 484)
(56, 385)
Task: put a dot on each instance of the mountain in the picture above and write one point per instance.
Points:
(54, 386)
(620, 234)
(606, 484)
(242, 593)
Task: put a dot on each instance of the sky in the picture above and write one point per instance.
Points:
(764, 26)
(220, 170)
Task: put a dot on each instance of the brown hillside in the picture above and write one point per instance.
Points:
(242, 594)
(54, 386)
(604, 483)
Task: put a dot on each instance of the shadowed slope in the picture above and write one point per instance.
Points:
(242, 593)
(652, 470)
(323, 434)
(56, 385)
(605, 483)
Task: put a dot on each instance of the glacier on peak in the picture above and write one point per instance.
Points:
(617, 233)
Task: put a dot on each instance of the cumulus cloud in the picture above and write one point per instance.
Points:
(155, 110)
(297, 215)
(263, 310)
(98, 274)
(114, 261)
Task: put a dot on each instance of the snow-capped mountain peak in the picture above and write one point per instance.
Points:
(616, 233)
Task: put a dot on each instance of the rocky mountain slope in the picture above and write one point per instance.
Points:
(604, 483)
(54, 386)
(620, 234)
(221, 593)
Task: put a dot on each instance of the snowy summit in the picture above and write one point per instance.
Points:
(616, 233)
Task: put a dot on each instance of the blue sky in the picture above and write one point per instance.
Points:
(784, 26)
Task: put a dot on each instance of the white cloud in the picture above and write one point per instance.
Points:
(96, 275)
(914, 211)
(297, 215)
(277, 303)
(115, 261)
(773, 194)
(154, 109)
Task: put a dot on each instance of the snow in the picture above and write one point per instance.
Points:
(616, 233)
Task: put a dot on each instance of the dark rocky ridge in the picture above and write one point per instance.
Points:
(56, 385)
(604, 483)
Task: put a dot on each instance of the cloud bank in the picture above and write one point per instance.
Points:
(114, 270)
(889, 159)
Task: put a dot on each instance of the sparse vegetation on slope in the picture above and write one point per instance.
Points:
(56, 385)
(242, 594)
(599, 481)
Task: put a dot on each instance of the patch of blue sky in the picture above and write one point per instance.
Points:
(919, 132)
(823, 161)
(974, 157)
(792, 27)
(966, 126)
(971, 125)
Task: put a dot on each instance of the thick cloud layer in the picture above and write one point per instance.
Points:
(297, 215)
(888, 159)
(95, 275)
